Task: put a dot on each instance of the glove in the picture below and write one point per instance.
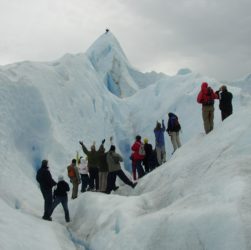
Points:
(81, 143)
(103, 141)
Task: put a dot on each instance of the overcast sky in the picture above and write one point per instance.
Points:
(212, 37)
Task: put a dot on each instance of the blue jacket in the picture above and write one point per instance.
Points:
(159, 136)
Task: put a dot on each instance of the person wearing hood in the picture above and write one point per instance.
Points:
(93, 160)
(46, 182)
(84, 174)
(173, 129)
(138, 155)
(225, 105)
(114, 168)
(206, 97)
(60, 196)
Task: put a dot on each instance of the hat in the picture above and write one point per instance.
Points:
(112, 148)
(145, 140)
(60, 178)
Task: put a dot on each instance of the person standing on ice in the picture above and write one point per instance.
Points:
(46, 182)
(160, 142)
(225, 106)
(134, 175)
(206, 97)
(93, 160)
(148, 160)
(113, 161)
(103, 168)
(173, 129)
(74, 176)
(84, 174)
(60, 196)
(138, 155)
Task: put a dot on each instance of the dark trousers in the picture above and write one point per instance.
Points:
(134, 170)
(94, 178)
(146, 164)
(225, 114)
(111, 180)
(64, 201)
(47, 194)
(84, 181)
(139, 168)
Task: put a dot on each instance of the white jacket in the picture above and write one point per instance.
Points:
(83, 169)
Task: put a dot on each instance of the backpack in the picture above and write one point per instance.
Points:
(176, 124)
(71, 171)
(142, 151)
(209, 100)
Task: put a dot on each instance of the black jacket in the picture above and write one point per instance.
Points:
(103, 166)
(44, 178)
(148, 149)
(62, 188)
(173, 124)
(225, 101)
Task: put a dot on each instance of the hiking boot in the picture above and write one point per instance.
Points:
(47, 218)
(134, 185)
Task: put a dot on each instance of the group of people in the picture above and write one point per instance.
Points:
(103, 168)
(98, 172)
(52, 199)
(99, 169)
(143, 153)
(206, 97)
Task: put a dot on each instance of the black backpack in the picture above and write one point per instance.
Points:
(175, 124)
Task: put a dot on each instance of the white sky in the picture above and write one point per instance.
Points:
(211, 37)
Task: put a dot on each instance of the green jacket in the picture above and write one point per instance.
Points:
(93, 157)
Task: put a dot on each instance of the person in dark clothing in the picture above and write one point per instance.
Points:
(134, 167)
(103, 168)
(46, 182)
(225, 106)
(93, 160)
(113, 161)
(173, 129)
(148, 160)
(60, 196)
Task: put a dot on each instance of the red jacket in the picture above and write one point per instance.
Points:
(206, 94)
(135, 148)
